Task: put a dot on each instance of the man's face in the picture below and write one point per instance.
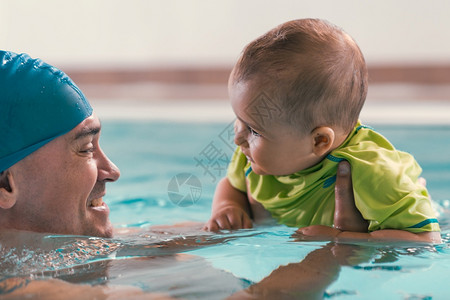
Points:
(61, 185)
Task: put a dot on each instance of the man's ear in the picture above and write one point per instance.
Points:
(323, 139)
(8, 191)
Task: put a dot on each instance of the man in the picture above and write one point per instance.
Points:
(52, 169)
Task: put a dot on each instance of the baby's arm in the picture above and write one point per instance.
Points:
(230, 208)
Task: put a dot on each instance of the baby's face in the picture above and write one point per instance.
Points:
(272, 147)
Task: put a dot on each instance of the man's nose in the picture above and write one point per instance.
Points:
(107, 170)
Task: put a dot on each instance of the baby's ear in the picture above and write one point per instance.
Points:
(323, 139)
(8, 191)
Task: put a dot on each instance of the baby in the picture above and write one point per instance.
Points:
(297, 92)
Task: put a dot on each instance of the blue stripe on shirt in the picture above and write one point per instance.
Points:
(329, 181)
(248, 171)
(334, 158)
(424, 222)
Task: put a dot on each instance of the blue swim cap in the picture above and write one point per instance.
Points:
(38, 103)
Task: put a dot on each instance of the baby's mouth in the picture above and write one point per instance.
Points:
(248, 157)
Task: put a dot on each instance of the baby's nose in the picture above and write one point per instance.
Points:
(239, 130)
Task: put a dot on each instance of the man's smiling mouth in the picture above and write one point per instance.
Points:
(97, 202)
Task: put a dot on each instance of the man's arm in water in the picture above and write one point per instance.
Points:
(19, 288)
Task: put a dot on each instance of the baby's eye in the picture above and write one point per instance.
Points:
(253, 132)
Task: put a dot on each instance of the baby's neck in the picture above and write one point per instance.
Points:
(340, 136)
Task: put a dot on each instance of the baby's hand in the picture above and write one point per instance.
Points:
(229, 217)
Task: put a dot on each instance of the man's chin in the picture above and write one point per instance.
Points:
(97, 221)
(108, 233)
(105, 231)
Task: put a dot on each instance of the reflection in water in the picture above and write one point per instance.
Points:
(151, 261)
(215, 266)
(60, 253)
(68, 252)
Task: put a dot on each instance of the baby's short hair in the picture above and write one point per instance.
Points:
(312, 69)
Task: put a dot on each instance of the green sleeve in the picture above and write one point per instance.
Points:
(236, 173)
(387, 193)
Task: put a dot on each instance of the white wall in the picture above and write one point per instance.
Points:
(144, 33)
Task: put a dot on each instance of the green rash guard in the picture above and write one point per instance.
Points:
(384, 179)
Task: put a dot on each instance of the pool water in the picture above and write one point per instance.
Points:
(169, 172)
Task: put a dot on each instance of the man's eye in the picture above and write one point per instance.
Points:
(87, 149)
